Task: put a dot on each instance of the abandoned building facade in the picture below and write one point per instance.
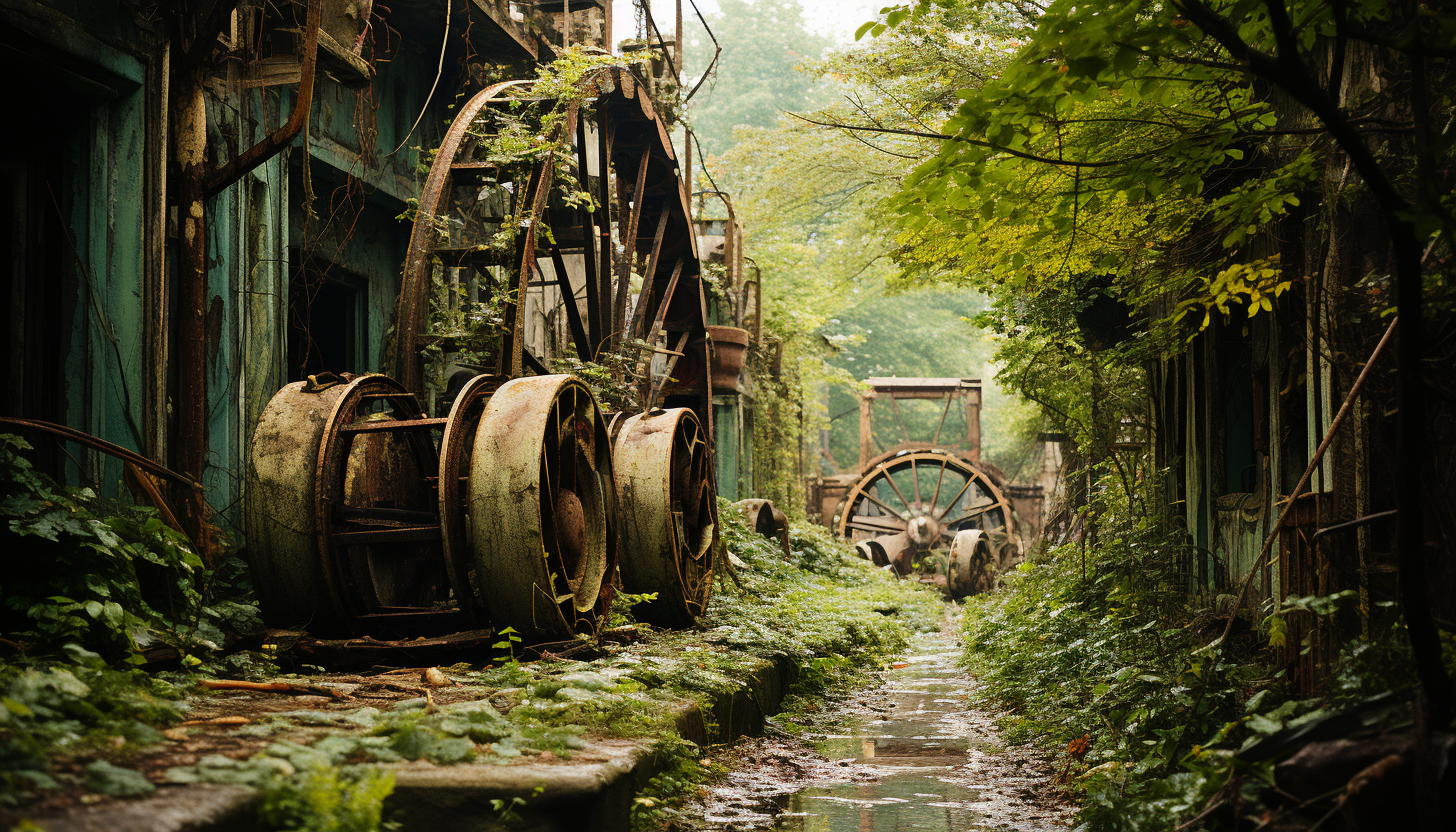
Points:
(205, 201)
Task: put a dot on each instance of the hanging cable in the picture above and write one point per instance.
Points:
(439, 70)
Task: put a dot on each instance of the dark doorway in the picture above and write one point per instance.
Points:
(325, 319)
(38, 285)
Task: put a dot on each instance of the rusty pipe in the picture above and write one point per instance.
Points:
(269, 147)
(70, 434)
(1314, 462)
(1353, 524)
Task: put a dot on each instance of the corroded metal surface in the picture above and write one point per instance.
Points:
(542, 446)
(457, 447)
(669, 514)
(341, 519)
(374, 558)
(279, 518)
(969, 570)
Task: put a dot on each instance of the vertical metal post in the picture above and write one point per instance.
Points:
(866, 430)
(973, 423)
(189, 144)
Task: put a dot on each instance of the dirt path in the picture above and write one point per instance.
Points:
(909, 754)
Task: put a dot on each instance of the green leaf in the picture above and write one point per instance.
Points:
(115, 781)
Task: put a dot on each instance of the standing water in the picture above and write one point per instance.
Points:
(910, 754)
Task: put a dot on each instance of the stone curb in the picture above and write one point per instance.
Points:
(593, 795)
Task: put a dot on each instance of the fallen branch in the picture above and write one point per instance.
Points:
(272, 687)
(217, 720)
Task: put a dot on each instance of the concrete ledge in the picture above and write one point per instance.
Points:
(592, 792)
(200, 808)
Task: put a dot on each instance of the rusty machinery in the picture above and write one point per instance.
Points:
(927, 505)
(520, 502)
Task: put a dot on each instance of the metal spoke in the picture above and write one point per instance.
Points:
(873, 523)
(859, 525)
(970, 478)
(915, 480)
(948, 400)
(935, 496)
(973, 513)
(885, 473)
(872, 498)
(904, 431)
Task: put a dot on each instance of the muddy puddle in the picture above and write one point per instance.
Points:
(908, 754)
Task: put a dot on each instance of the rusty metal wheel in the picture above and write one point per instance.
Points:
(457, 448)
(376, 526)
(342, 525)
(669, 514)
(927, 496)
(970, 569)
(542, 508)
(278, 515)
(564, 239)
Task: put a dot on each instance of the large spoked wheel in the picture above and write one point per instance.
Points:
(543, 507)
(553, 234)
(669, 514)
(917, 501)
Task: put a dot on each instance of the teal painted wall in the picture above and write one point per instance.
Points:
(111, 159)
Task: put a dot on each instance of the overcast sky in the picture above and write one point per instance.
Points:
(836, 19)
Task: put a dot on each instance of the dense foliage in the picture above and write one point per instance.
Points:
(107, 575)
(1098, 655)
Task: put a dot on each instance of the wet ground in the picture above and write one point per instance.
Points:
(911, 753)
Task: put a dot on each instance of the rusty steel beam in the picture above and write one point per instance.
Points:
(593, 244)
(629, 257)
(574, 322)
(604, 250)
(189, 160)
(70, 434)
(649, 276)
(271, 144)
(195, 183)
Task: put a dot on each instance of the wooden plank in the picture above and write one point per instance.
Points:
(657, 385)
(382, 425)
(662, 305)
(368, 538)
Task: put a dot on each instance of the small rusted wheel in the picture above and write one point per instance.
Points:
(278, 514)
(457, 448)
(542, 505)
(341, 520)
(970, 569)
(669, 514)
